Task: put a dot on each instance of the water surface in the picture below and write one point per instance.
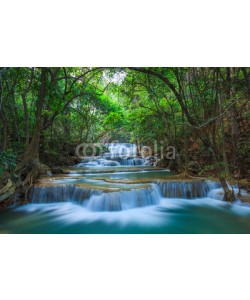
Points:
(125, 199)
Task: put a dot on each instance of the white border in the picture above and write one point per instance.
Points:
(124, 33)
(125, 267)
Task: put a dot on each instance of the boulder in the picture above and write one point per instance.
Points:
(149, 161)
(44, 170)
(57, 170)
(162, 163)
(7, 187)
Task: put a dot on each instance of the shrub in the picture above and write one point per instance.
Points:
(7, 161)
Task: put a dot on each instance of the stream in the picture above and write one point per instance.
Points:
(118, 193)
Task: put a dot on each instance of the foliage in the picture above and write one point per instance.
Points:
(7, 160)
(202, 112)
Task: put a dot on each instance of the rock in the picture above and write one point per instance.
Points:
(57, 170)
(44, 170)
(194, 167)
(7, 187)
(163, 163)
(59, 159)
(76, 159)
(148, 162)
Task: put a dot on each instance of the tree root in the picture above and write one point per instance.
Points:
(27, 174)
(7, 187)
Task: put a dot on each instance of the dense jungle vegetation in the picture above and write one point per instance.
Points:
(46, 112)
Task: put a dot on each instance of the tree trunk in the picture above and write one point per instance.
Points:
(228, 194)
(235, 134)
(27, 121)
(5, 123)
(224, 155)
(178, 92)
(234, 123)
(186, 152)
(28, 168)
(12, 104)
(138, 151)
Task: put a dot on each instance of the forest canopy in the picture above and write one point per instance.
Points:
(46, 112)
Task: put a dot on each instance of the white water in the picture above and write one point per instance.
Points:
(97, 202)
(187, 189)
(170, 215)
(120, 154)
(218, 193)
(122, 150)
(125, 199)
(133, 196)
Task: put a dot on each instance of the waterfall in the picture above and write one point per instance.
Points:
(122, 200)
(105, 162)
(186, 189)
(122, 149)
(125, 153)
(120, 154)
(133, 161)
(95, 162)
(60, 193)
(97, 200)
(218, 192)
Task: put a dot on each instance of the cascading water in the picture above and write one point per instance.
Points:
(100, 196)
(132, 161)
(87, 203)
(101, 200)
(96, 200)
(61, 193)
(125, 199)
(120, 154)
(187, 189)
(122, 149)
(95, 162)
